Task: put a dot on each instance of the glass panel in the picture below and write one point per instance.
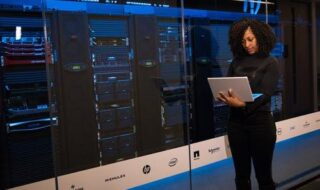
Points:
(209, 55)
(119, 92)
(115, 90)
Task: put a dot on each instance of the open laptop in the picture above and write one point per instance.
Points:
(239, 85)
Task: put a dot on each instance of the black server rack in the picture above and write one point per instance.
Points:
(144, 42)
(159, 78)
(75, 137)
(26, 153)
(113, 81)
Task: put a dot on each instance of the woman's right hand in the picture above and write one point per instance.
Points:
(231, 99)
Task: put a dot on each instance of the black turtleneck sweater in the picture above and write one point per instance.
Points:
(263, 74)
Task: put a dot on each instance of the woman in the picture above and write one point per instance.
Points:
(251, 128)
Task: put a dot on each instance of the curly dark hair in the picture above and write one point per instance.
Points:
(266, 39)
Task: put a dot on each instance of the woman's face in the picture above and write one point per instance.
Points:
(249, 42)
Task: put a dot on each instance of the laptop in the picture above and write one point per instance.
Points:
(239, 85)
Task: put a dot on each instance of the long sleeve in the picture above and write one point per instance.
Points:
(267, 87)
(263, 75)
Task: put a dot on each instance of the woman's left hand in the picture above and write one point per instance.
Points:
(231, 99)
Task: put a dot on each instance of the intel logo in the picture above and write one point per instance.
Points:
(173, 162)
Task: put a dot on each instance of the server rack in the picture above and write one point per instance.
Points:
(113, 80)
(25, 125)
(75, 137)
(159, 83)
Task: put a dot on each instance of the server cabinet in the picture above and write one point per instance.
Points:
(26, 153)
(75, 137)
(159, 84)
(113, 81)
(147, 71)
